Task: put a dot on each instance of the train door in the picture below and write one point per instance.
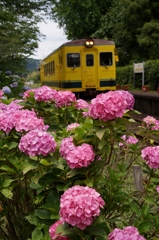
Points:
(89, 69)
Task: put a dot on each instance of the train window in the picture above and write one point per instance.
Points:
(73, 60)
(106, 58)
(49, 68)
(89, 60)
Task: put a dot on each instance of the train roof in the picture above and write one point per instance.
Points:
(81, 42)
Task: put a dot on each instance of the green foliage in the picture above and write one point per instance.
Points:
(74, 16)
(19, 32)
(132, 25)
(15, 83)
(125, 75)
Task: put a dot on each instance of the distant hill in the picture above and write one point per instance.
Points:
(32, 64)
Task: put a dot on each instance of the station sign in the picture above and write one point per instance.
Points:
(138, 67)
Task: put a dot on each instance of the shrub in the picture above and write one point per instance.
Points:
(43, 197)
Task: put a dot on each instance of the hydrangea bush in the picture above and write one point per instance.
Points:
(66, 168)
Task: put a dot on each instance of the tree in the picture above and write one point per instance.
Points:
(19, 33)
(132, 24)
(79, 18)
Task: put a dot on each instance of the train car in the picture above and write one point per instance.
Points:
(83, 66)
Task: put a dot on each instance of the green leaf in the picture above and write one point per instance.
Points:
(37, 234)
(35, 185)
(97, 230)
(89, 182)
(145, 226)
(6, 183)
(101, 133)
(7, 169)
(32, 219)
(29, 165)
(150, 200)
(135, 208)
(63, 230)
(42, 213)
(7, 193)
(45, 162)
(146, 210)
(74, 172)
(12, 145)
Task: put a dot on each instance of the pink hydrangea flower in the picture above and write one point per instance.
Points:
(151, 122)
(45, 94)
(151, 155)
(129, 98)
(80, 205)
(1, 93)
(66, 146)
(3, 107)
(37, 142)
(53, 234)
(81, 104)
(26, 94)
(72, 126)
(76, 156)
(64, 98)
(26, 120)
(128, 233)
(108, 106)
(12, 107)
(128, 140)
(7, 115)
(157, 189)
(6, 122)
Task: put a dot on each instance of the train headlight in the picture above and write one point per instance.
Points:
(89, 43)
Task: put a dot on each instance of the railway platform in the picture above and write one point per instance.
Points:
(146, 102)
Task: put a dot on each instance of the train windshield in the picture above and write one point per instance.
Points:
(73, 60)
(106, 58)
(89, 60)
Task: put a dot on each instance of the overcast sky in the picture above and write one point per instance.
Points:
(55, 37)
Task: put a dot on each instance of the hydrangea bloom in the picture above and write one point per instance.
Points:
(45, 94)
(3, 107)
(53, 234)
(129, 98)
(76, 156)
(14, 84)
(108, 106)
(80, 205)
(64, 98)
(151, 155)
(72, 126)
(6, 90)
(1, 93)
(128, 233)
(128, 140)
(6, 122)
(151, 122)
(66, 146)
(37, 142)
(81, 104)
(12, 107)
(7, 115)
(26, 120)
(26, 94)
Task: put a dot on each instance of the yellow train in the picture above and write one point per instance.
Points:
(83, 66)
